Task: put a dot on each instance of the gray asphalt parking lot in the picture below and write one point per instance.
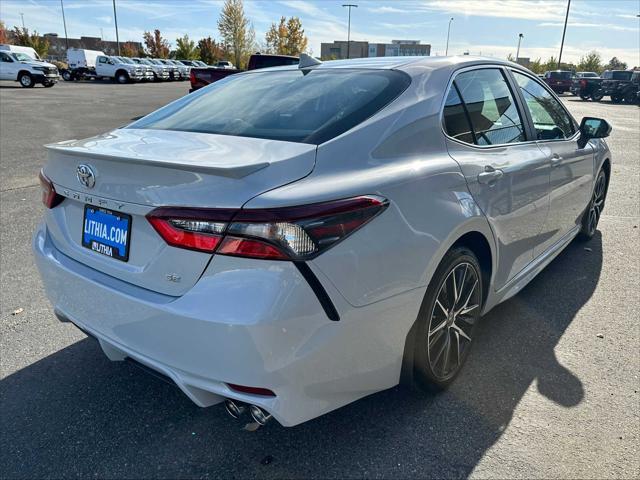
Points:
(551, 388)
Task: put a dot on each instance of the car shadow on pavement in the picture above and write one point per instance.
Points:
(75, 414)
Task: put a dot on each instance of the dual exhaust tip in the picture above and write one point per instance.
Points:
(236, 409)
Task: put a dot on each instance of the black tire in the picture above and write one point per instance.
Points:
(447, 320)
(67, 76)
(616, 98)
(122, 78)
(584, 97)
(591, 216)
(26, 80)
(48, 84)
(596, 96)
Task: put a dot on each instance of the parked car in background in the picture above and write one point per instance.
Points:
(160, 72)
(291, 241)
(586, 85)
(620, 85)
(559, 80)
(182, 68)
(118, 70)
(175, 69)
(81, 63)
(22, 68)
(224, 64)
(201, 77)
(147, 72)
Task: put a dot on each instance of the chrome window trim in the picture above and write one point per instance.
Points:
(482, 66)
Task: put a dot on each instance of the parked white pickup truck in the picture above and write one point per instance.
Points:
(22, 68)
(82, 64)
(116, 69)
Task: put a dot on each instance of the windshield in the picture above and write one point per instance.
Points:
(126, 60)
(617, 75)
(560, 75)
(23, 57)
(284, 105)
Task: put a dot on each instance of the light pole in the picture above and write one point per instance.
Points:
(64, 22)
(115, 18)
(563, 32)
(22, 17)
(518, 51)
(446, 51)
(349, 6)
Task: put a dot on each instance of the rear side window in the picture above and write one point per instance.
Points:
(560, 75)
(490, 107)
(310, 107)
(456, 119)
(550, 120)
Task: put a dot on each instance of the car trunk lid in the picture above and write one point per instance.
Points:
(137, 170)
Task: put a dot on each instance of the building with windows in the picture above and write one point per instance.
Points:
(357, 49)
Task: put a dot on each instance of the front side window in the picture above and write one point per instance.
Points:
(550, 120)
(490, 106)
(290, 105)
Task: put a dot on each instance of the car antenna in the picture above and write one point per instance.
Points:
(307, 61)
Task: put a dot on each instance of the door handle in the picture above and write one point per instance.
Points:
(490, 175)
(555, 160)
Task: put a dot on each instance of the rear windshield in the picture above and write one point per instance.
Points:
(560, 75)
(617, 75)
(284, 105)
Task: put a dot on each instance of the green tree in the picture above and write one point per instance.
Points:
(35, 41)
(591, 62)
(551, 64)
(187, 49)
(286, 38)
(615, 64)
(237, 32)
(210, 50)
(156, 45)
(536, 66)
(511, 58)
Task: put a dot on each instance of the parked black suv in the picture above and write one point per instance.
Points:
(586, 85)
(621, 85)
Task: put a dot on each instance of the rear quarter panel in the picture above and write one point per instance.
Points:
(399, 154)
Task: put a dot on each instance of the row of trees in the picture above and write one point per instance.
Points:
(590, 62)
(237, 40)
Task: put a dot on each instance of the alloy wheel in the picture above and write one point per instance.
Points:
(25, 80)
(597, 203)
(455, 311)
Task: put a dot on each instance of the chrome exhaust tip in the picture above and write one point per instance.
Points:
(259, 415)
(233, 408)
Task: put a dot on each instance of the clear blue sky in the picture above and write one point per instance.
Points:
(487, 27)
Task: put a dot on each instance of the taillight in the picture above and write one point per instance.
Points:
(583, 83)
(50, 198)
(192, 78)
(289, 233)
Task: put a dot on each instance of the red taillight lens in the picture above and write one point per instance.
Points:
(50, 198)
(583, 83)
(192, 78)
(289, 233)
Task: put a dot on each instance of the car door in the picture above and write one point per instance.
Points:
(572, 167)
(507, 174)
(7, 67)
(102, 67)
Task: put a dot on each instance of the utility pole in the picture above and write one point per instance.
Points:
(446, 51)
(349, 6)
(518, 51)
(22, 17)
(115, 18)
(64, 22)
(566, 18)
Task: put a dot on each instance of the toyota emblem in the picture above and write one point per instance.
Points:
(86, 176)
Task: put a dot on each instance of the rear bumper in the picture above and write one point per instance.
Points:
(246, 322)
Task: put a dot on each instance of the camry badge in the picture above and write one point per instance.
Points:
(86, 176)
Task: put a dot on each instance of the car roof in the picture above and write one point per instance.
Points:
(405, 63)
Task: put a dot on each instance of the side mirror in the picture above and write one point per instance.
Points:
(592, 127)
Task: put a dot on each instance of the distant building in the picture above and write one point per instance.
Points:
(58, 45)
(399, 48)
(524, 61)
(338, 49)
